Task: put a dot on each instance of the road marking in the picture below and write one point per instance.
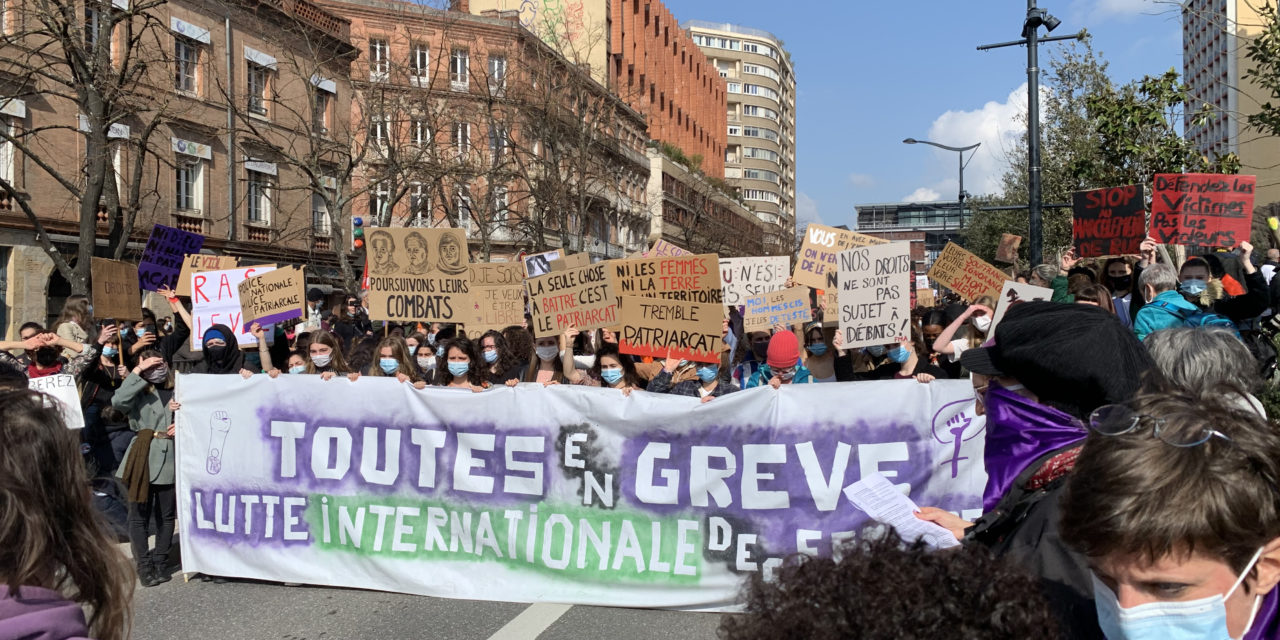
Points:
(531, 622)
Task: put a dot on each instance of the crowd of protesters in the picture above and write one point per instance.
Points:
(1132, 468)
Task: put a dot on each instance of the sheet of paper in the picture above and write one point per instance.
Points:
(876, 496)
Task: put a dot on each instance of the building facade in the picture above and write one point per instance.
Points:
(760, 156)
(1215, 34)
(697, 215)
(928, 226)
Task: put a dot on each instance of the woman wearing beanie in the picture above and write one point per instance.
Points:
(782, 365)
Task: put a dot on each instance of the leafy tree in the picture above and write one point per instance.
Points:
(1263, 51)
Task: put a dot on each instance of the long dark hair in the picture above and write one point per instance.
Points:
(629, 375)
(475, 373)
(50, 534)
(506, 359)
(75, 309)
(519, 342)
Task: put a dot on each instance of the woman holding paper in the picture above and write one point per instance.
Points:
(393, 361)
(708, 384)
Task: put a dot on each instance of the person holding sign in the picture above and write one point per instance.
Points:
(976, 319)
(462, 367)
(782, 363)
(393, 361)
(148, 338)
(611, 369)
(325, 356)
(708, 385)
(548, 365)
(820, 356)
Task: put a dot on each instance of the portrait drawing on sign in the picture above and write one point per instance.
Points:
(415, 249)
(453, 256)
(384, 248)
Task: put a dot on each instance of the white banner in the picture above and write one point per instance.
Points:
(62, 388)
(560, 494)
(215, 299)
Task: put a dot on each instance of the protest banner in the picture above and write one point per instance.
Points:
(966, 274)
(660, 328)
(1007, 251)
(922, 281)
(215, 299)
(196, 263)
(875, 294)
(161, 263)
(1202, 209)
(115, 290)
(418, 274)
(743, 278)
(539, 264)
(817, 264)
(664, 249)
(582, 297)
(275, 296)
(1108, 222)
(62, 388)
(571, 261)
(925, 298)
(562, 494)
(497, 297)
(829, 304)
(785, 307)
(1013, 293)
(690, 278)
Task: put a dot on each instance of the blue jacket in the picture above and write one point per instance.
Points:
(1152, 317)
(763, 375)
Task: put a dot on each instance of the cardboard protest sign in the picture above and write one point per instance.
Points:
(664, 249)
(922, 281)
(215, 299)
(817, 265)
(272, 297)
(875, 294)
(829, 304)
(161, 263)
(675, 328)
(785, 307)
(196, 263)
(743, 278)
(1007, 251)
(1108, 222)
(690, 278)
(1016, 293)
(497, 297)
(925, 298)
(966, 274)
(418, 274)
(115, 290)
(582, 297)
(1202, 209)
(62, 389)
(571, 261)
(539, 264)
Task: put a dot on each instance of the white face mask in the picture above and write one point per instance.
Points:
(982, 323)
(426, 362)
(548, 352)
(321, 361)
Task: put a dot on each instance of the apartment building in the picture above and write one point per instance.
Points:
(698, 216)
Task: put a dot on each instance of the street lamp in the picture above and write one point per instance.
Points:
(963, 164)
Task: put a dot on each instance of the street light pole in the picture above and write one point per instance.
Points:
(960, 151)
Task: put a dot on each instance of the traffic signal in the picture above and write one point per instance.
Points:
(357, 232)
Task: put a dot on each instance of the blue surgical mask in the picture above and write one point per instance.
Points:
(1193, 287)
(440, 352)
(490, 355)
(459, 369)
(413, 348)
(110, 351)
(899, 354)
(818, 348)
(875, 351)
(389, 365)
(140, 332)
(611, 376)
(707, 374)
(431, 337)
(298, 369)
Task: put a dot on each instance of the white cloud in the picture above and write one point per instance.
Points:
(1123, 8)
(806, 210)
(862, 180)
(923, 194)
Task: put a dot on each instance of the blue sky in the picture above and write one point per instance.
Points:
(870, 73)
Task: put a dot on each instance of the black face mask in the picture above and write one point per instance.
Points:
(216, 353)
(46, 356)
(1119, 283)
(761, 349)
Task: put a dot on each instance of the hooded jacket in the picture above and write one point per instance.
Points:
(230, 361)
(1152, 317)
(36, 613)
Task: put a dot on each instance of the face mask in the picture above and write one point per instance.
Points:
(413, 348)
(216, 353)
(899, 354)
(707, 374)
(982, 323)
(426, 362)
(785, 374)
(440, 352)
(490, 355)
(388, 365)
(1193, 287)
(760, 349)
(140, 332)
(1121, 282)
(611, 376)
(1203, 618)
(547, 353)
(157, 375)
(876, 351)
(321, 361)
(110, 352)
(818, 348)
(298, 369)
(125, 332)
(459, 369)
(431, 337)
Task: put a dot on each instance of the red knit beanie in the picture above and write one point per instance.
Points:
(784, 350)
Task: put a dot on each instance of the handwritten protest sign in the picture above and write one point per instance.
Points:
(743, 278)
(661, 328)
(161, 262)
(875, 294)
(1108, 222)
(497, 297)
(539, 264)
(582, 297)
(62, 388)
(1016, 293)
(1202, 209)
(418, 274)
(785, 307)
(215, 299)
(196, 263)
(571, 261)
(1007, 251)
(925, 298)
(115, 290)
(817, 265)
(664, 249)
(966, 274)
(272, 297)
(690, 278)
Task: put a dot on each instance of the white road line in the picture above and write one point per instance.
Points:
(531, 622)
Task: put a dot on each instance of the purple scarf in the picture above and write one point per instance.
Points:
(1267, 624)
(1019, 432)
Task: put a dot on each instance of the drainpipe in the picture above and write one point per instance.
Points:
(231, 133)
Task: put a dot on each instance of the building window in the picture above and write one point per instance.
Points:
(189, 186)
(6, 152)
(761, 71)
(735, 130)
(760, 154)
(258, 76)
(419, 205)
(734, 87)
(379, 202)
(760, 132)
(420, 65)
(761, 174)
(421, 132)
(321, 220)
(497, 74)
(462, 206)
(379, 62)
(462, 138)
(186, 55)
(459, 69)
(91, 27)
(380, 130)
(320, 112)
(497, 140)
(259, 195)
(501, 203)
(760, 194)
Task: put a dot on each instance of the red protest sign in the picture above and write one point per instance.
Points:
(1108, 222)
(1202, 209)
